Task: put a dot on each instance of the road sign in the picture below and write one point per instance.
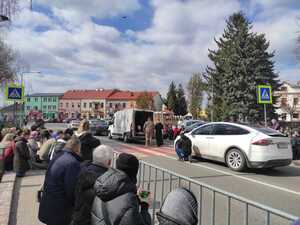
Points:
(264, 94)
(14, 92)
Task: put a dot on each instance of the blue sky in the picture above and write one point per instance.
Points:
(139, 44)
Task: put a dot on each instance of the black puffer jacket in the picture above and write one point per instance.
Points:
(85, 193)
(118, 194)
(88, 143)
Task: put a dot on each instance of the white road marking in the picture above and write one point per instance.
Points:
(244, 178)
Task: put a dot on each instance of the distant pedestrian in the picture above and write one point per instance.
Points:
(84, 191)
(58, 198)
(159, 133)
(176, 131)
(88, 141)
(149, 130)
(46, 144)
(33, 145)
(22, 154)
(275, 124)
(179, 208)
(116, 199)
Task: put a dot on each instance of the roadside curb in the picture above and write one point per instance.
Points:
(7, 187)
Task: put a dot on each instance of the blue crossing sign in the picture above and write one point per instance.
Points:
(264, 93)
(14, 92)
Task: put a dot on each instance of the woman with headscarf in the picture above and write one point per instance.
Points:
(8, 145)
(88, 141)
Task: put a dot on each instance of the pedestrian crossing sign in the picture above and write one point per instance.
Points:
(14, 92)
(264, 93)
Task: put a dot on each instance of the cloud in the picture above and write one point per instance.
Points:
(75, 52)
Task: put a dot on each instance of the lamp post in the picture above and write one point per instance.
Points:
(22, 81)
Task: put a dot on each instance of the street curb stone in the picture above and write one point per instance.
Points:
(7, 186)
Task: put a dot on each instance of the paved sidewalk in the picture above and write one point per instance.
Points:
(25, 206)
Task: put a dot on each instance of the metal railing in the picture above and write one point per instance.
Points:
(215, 206)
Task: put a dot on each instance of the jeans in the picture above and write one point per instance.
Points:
(180, 153)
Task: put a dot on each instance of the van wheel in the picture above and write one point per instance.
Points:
(109, 135)
(236, 160)
(125, 138)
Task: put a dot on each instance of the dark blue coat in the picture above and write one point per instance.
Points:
(58, 199)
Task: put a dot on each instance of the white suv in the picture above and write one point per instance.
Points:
(241, 146)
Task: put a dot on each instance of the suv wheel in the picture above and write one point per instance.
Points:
(236, 160)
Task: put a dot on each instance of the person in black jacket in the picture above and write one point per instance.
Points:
(22, 154)
(116, 199)
(58, 199)
(183, 148)
(88, 141)
(84, 191)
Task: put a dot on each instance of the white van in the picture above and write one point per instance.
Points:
(128, 124)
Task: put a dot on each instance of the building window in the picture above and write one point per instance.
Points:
(28, 108)
(295, 115)
(35, 108)
(84, 105)
(35, 99)
(296, 101)
(72, 115)
(91, 105)
(124, 105)
(283, 89)
(49, 107)
(67, 105)
(54, 107)
(283, 101)
(49, 100)
(110, 105)
(78, 105)
(45, 99)
(61, 105)
(54, 99)
(44, 107)
(28, 99)
(72, 105)
(102, 105)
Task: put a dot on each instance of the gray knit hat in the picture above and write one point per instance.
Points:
(181, 207)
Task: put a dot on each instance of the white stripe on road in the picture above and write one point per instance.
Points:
(244, 178)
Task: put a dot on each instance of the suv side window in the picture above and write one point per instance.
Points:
(206, 130)
(225, 129)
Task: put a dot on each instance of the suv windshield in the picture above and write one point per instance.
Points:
(268, 131)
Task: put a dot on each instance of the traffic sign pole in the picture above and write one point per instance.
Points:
(264, 95)
(265, 110)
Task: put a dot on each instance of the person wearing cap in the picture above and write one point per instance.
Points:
(116, 200)
(180, 207)
(84, 191)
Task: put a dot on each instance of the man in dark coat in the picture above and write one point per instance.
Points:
(22, 154)
(116, 200)
(84, 191)
(57, 201)
(159, 134)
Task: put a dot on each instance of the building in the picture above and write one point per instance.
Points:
(100, 103)
(45, 103)
(84, 103)
(288, 103)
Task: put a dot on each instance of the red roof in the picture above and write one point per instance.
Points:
(105, 94)
(87, 94)
(129, 95)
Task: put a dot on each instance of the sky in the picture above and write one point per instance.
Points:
(139, 44)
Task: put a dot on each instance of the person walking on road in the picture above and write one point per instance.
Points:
(159, 133)
(8, 147)
(149, 130)
(88, 141)
(58, 199)
(22, 154)
(179, 207)
(84, 191)
(116, 199)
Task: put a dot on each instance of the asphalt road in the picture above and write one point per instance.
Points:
(278, 188)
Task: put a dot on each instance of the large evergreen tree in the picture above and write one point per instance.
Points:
(195, 93)
(241, 62)
(172, 97)
(182, 105)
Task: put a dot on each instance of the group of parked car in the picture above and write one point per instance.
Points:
(97, 126)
